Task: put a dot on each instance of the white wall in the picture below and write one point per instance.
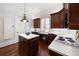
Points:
(11, 9)
(1, 28)
(33, 10)
(7, 31)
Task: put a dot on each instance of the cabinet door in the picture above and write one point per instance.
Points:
(26, 48)
(51, 37)
(74, 15)
(33, 46)
(36, 23)
(23, 47)
(57, 19)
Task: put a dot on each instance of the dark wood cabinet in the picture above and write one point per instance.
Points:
(57, 19)
(34, 46)
(51, 37)
(44, 37)
(28, 47)
(36, 23)
(73, 15)
(48, 38)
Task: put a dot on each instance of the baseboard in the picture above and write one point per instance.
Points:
(7, 42)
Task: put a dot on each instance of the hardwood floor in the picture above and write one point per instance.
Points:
(12, 50)
(43, 49)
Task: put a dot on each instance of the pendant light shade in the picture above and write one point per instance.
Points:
(24, 17)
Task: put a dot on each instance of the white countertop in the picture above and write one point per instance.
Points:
(63, 49)
(28, 37)
(64, 33)
(58, 31)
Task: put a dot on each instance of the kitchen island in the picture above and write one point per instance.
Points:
(28, 44)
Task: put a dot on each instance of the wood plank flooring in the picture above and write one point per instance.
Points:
(12, 50)
(43, 49)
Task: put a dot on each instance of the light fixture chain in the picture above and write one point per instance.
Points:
(24, 8)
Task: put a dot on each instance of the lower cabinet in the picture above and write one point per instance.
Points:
(28, 47)
(48, 38)
(51, 37)
(33, 47)
(44, 37)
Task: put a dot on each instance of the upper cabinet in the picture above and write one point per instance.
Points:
(36, 23)
(73, 15)
(57, 19)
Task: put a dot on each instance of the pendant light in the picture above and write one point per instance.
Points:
(24, 17)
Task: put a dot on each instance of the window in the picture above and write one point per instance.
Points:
(45, 24)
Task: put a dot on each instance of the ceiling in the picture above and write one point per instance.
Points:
(33, 10)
